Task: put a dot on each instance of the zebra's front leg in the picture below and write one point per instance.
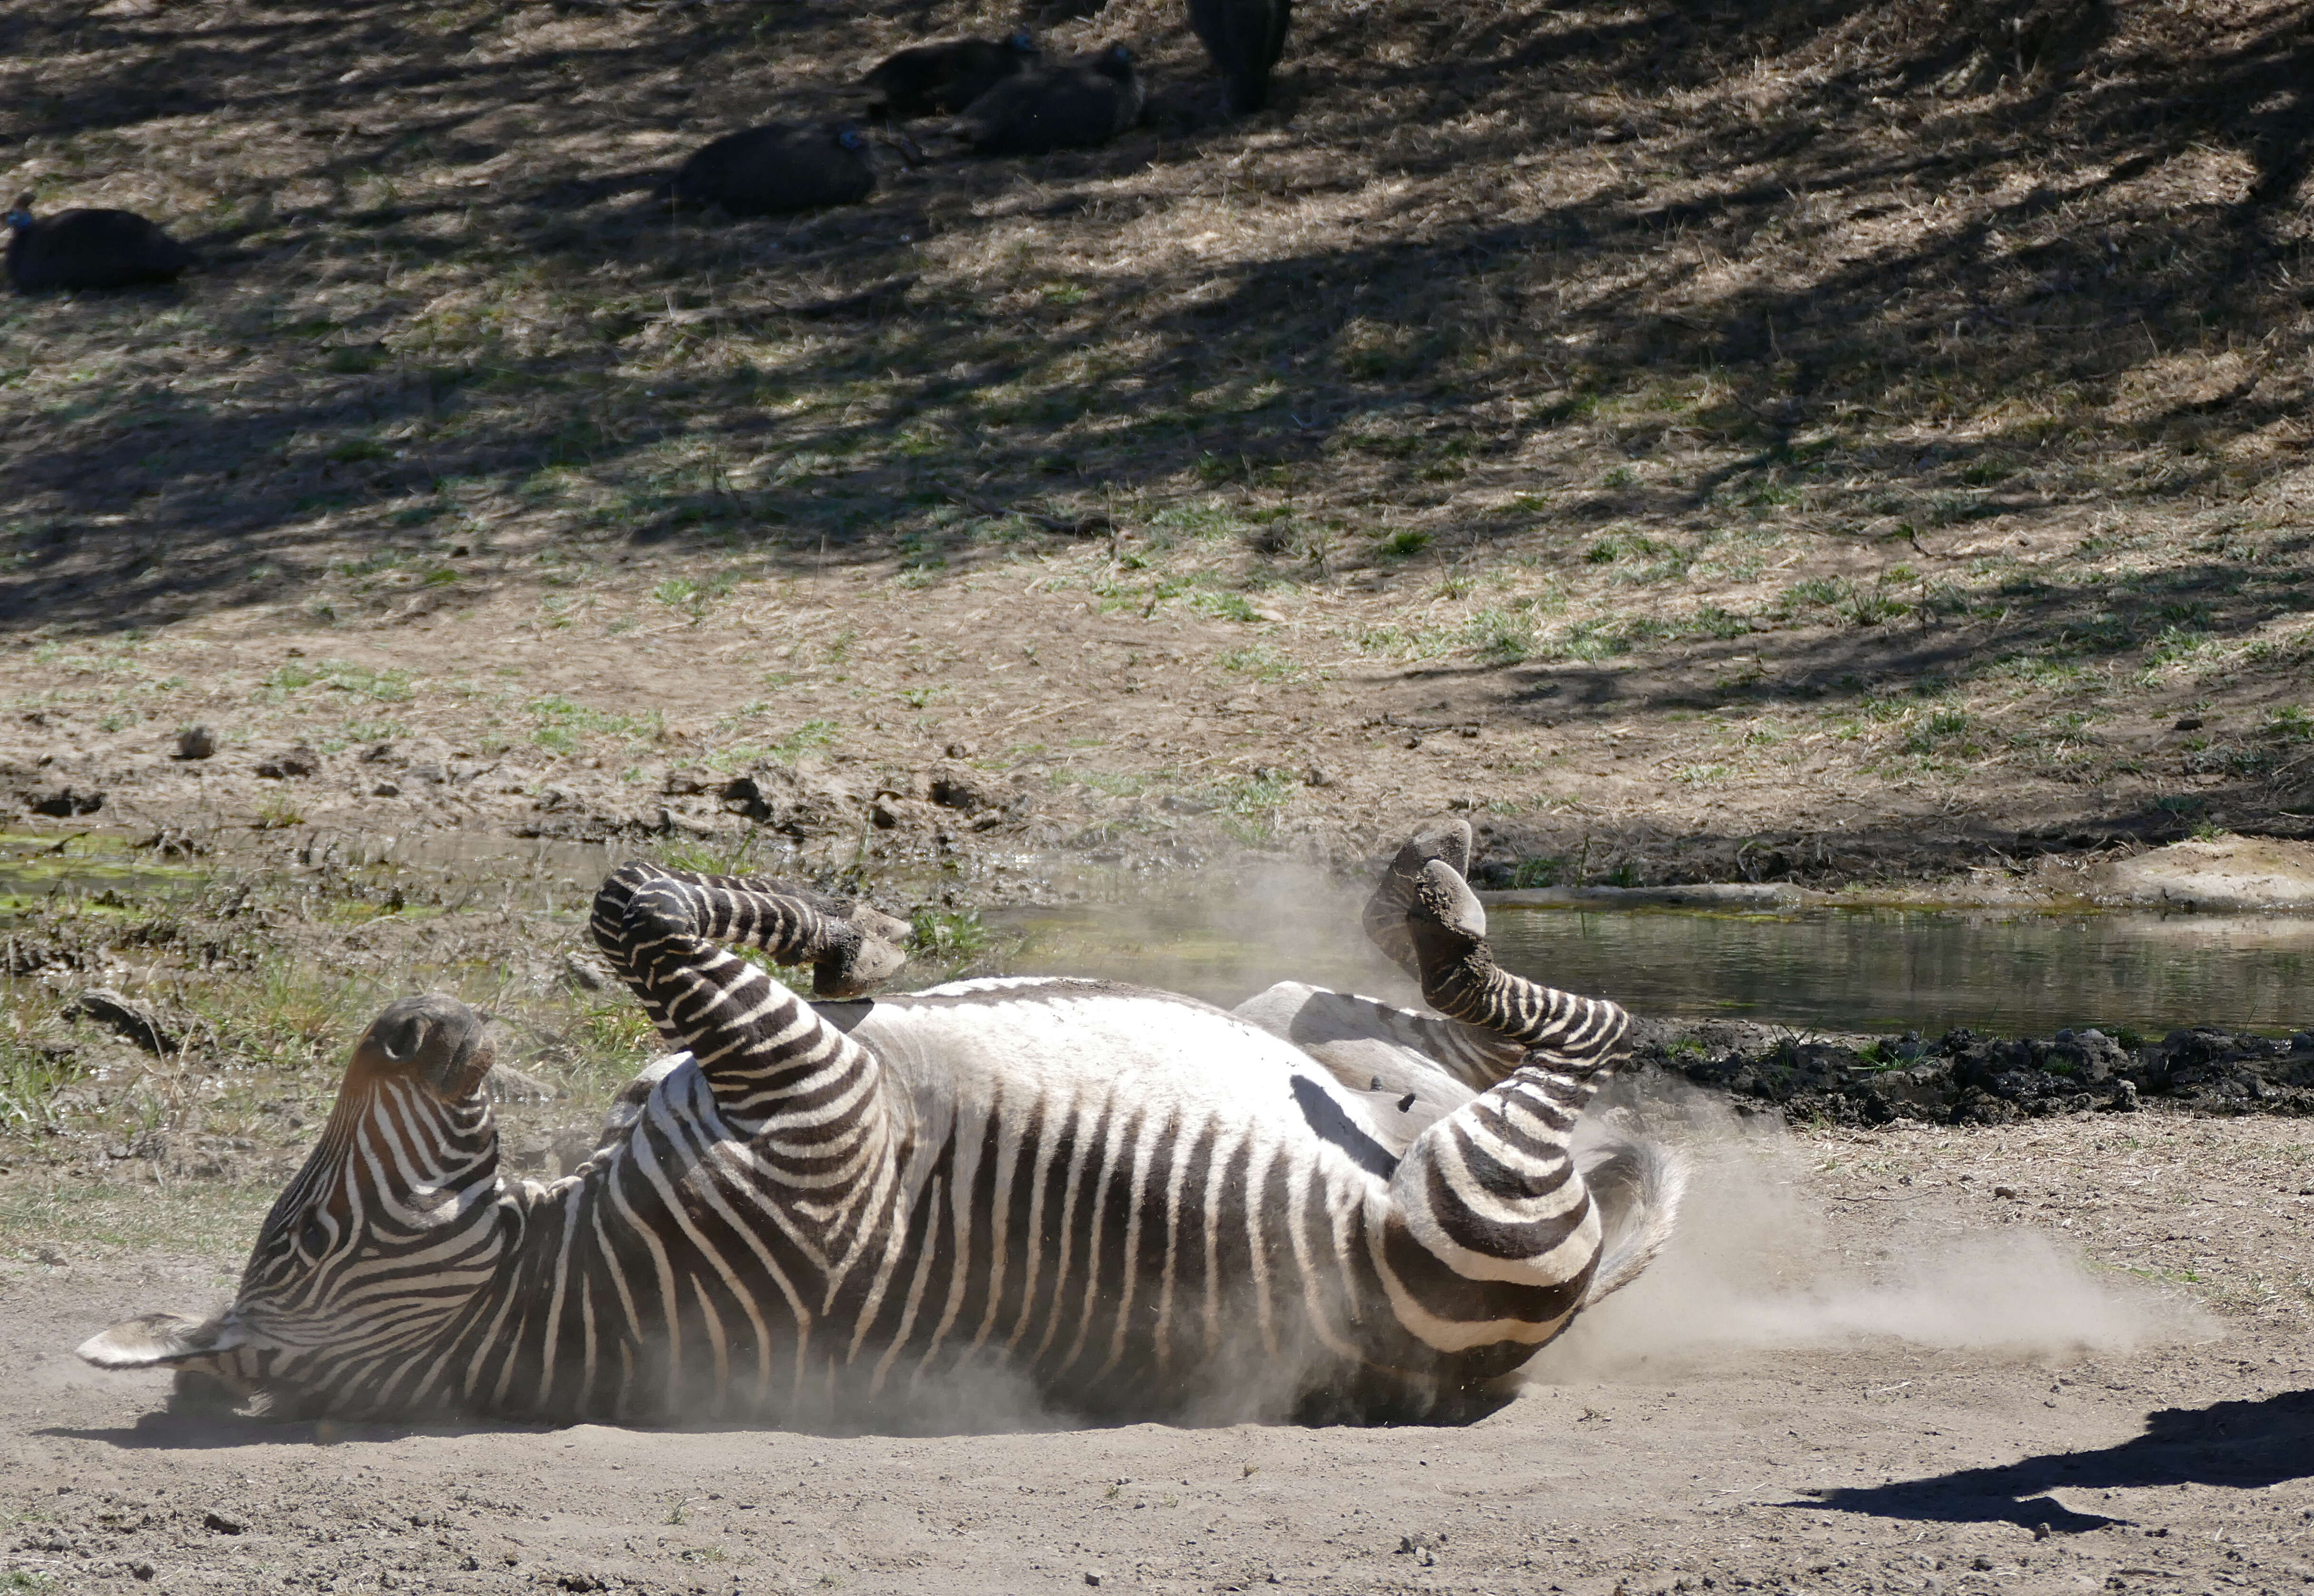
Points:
(849, 947)
(765, 1052)
(1504, 1235)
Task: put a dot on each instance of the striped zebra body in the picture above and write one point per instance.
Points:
(968, 1205)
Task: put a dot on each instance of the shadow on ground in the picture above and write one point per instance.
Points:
(2247, 1444)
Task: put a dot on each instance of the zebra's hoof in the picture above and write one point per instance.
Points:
(1445, 841)
(856, 970)
(1442, 898)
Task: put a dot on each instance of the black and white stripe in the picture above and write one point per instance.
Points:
(1090, 1197)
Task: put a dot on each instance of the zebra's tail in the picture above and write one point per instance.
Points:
(1638, 1185)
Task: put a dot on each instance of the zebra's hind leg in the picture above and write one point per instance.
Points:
(1501, 1236)
(1576, 1036)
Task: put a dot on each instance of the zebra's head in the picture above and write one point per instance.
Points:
(386, 1235)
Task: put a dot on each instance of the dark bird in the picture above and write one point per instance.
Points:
(1053, 108)
(1244, 38)
(88, 248)
(946, 75)
(768, 170)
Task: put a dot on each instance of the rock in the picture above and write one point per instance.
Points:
(1092, 1576)
(387, 790)
(142, 1570)
(194, 741)
(962, 788)
(377, 754)
(581, 1582)
(891, 811)
(507, 1084)
(134, 1021)
(2256, 873)
(799, 803)
(584, 975)
(62, 801)
(223, 1522)
(570, 1147)
(299, 760)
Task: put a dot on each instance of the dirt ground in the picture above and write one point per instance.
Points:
(1877, 1362)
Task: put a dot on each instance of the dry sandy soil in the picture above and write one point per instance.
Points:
(1874, 1361)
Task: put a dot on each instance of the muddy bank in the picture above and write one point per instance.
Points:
(1963, 1079)
(972, 812)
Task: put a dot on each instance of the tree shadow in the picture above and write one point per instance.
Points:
(1362, 355)
(2245, 1444)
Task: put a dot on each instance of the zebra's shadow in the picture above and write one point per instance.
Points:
(2247, 1443)
(194, 1430)
(162, 1430)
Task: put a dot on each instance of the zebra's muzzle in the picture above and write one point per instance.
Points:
(433, 1039)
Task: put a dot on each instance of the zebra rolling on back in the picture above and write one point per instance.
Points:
(1083, 1197)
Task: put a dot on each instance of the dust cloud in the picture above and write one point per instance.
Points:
(1756, 1266)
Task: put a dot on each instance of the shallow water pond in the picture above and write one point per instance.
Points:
(1832, 970)
(1227, 933)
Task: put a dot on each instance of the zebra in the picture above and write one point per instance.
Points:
(993, 1202)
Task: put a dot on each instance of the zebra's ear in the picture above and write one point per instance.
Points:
(159, 1341)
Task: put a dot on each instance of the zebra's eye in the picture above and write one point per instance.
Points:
(314, 1237)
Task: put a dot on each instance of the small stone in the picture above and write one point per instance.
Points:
(299, 760)
(130, 1020)
(2008, 1192)
(1980, 1563)
(387, 790)
(1092, 1576)
(142, 1570)
(1317, 775)
(224, 1524)
(2187, 723)
(959, 789)
(2040, 1531)
(194, 741)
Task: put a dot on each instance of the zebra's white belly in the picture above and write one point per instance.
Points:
(964, 1049)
